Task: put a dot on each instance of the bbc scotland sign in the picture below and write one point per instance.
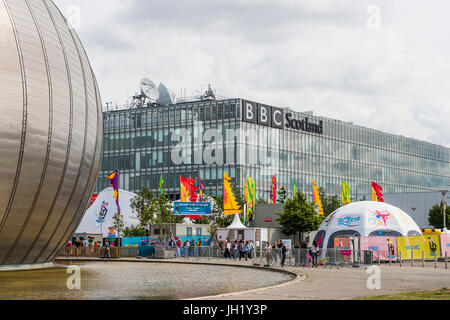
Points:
(265, 115)
(192, 208)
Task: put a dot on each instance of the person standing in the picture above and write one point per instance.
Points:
(251, 248)
(228, 248)
(241, 250)
(186, 248)
(283, 254)
(107, 250)
(246, 250)
(275, 252)
(297, 248)
(235, 250)
(314, 254)
(268, 253)
(178, 245)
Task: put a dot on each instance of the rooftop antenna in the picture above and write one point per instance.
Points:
(166, 97)
(148, 91)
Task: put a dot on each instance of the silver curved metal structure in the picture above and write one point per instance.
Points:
(51, 131)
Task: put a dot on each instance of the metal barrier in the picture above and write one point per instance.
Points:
(273, 257)
(96, 252)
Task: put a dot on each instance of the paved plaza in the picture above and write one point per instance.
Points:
(334, 283)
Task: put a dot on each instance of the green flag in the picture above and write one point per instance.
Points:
(295, 189)
(161, 182)
(345, 193)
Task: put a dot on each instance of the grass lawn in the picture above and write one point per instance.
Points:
(442, 294)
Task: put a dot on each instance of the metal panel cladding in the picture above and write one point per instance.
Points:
(51, 131)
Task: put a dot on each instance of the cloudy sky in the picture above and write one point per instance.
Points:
(383, 64)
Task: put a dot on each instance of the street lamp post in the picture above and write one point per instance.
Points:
(444, 192)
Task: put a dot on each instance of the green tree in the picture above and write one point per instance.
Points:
(436, 216)
(363, 199)
(118, 225)
(164, 215)
(330, 203)
(299, 215)
(219, 219)
(144, 207)
(134, 231)
(282, 195)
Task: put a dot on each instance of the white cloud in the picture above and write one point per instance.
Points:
(308, 55)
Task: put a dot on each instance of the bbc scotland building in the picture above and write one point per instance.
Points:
(293, 146)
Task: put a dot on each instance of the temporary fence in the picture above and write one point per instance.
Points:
(274, 257)
(374, 250)
(98, 252)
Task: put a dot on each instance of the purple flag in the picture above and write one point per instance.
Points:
(114, 179)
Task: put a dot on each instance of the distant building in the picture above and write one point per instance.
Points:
(260, 141)
(265, 215)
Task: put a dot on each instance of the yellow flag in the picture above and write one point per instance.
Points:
(345, 193)
(316, 198)
(230, 205)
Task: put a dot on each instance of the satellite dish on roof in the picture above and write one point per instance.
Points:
(149, 89)
(165, 95)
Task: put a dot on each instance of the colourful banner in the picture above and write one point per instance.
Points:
(201, 187)
(93, 198)
(428, 244)
(230, 205)
(316, 198)
(385, 246)
(377, 194)
(161, 182)
(250, 196)
(345, 193)
(185, 187)
(114, 179)
(445, 243)
(273, 193)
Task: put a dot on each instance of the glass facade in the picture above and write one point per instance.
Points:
(138, 143)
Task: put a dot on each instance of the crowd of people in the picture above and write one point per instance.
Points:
(302, 254)
(237, 249)
(84, 247)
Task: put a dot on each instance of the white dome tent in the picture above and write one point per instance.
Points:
(105, 201)
(366, 219)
